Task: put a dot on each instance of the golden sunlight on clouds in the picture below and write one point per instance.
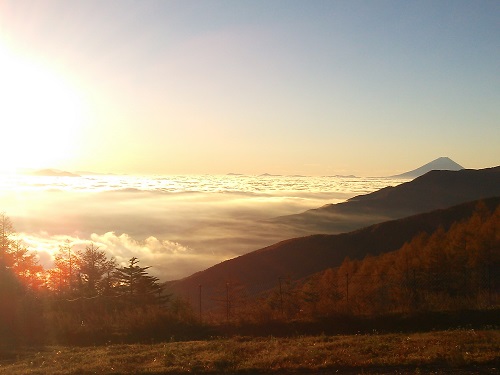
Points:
(42, 116)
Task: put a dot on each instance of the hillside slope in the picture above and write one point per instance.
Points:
(299, 257)
(434, 190)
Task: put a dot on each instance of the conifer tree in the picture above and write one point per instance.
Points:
(25, 266)
(93, 265)
(6, 233)
(134, 282)
(63, 277)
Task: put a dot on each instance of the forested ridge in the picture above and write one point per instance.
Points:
(454, 269)
(88, 298)
(445, 270)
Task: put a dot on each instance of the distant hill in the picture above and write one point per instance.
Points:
(52, 173)
(297, 258)
(269, 175)
(440, 164)
(435, 190)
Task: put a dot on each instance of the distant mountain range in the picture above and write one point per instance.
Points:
(51, 173)
(439, 198)
(440, 164)
(434, 190)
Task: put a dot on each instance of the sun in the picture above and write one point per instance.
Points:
(41, 115)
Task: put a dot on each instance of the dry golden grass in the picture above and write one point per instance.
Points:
(465, 351)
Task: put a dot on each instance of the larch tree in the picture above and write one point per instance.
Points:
(6, 233)
(93, 265)
(25, 265)
(63, 277)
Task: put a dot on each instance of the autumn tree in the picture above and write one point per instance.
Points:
(93, 266)
(63, 277)
(6, 239)
(15, 258)
(25, 266)
(20, 314)
(321, 294)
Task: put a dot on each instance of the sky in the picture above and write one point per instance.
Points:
(369, 88)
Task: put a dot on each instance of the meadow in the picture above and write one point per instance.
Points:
(466, 351)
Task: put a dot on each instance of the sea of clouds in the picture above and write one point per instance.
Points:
(178, 225)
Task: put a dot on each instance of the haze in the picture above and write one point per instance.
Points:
(289, 87)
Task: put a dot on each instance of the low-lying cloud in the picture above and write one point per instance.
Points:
(177, 232)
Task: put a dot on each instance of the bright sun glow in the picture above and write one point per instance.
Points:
(41, 115)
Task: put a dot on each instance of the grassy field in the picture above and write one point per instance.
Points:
(457, 351)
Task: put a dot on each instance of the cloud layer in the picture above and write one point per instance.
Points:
(177, 227)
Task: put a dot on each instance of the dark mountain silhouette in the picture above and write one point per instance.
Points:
(344, 176)
(297, 258)
(440, 164)
(434, 190)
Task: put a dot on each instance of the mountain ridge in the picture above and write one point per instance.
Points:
(441, 163)
(300, 257)
(434, 190)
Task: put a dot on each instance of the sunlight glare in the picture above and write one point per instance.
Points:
(41, 117)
